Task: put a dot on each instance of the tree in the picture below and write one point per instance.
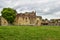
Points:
(9, 14)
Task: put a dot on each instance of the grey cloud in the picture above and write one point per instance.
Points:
(38, 5)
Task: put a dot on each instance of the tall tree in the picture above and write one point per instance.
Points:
(9, 14)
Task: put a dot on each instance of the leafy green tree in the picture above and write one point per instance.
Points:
(9, 14)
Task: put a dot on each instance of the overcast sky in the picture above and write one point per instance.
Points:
(46, 8)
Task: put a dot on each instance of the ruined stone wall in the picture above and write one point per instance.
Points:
(22, 20)
(38, 20)
(3, 22)
(27, 18)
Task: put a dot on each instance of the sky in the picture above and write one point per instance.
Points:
(49, 9)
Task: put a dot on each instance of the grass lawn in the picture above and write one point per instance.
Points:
(29, 33)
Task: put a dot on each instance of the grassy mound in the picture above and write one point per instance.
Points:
(29, 33)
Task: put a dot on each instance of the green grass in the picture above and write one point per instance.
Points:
(29, 33)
